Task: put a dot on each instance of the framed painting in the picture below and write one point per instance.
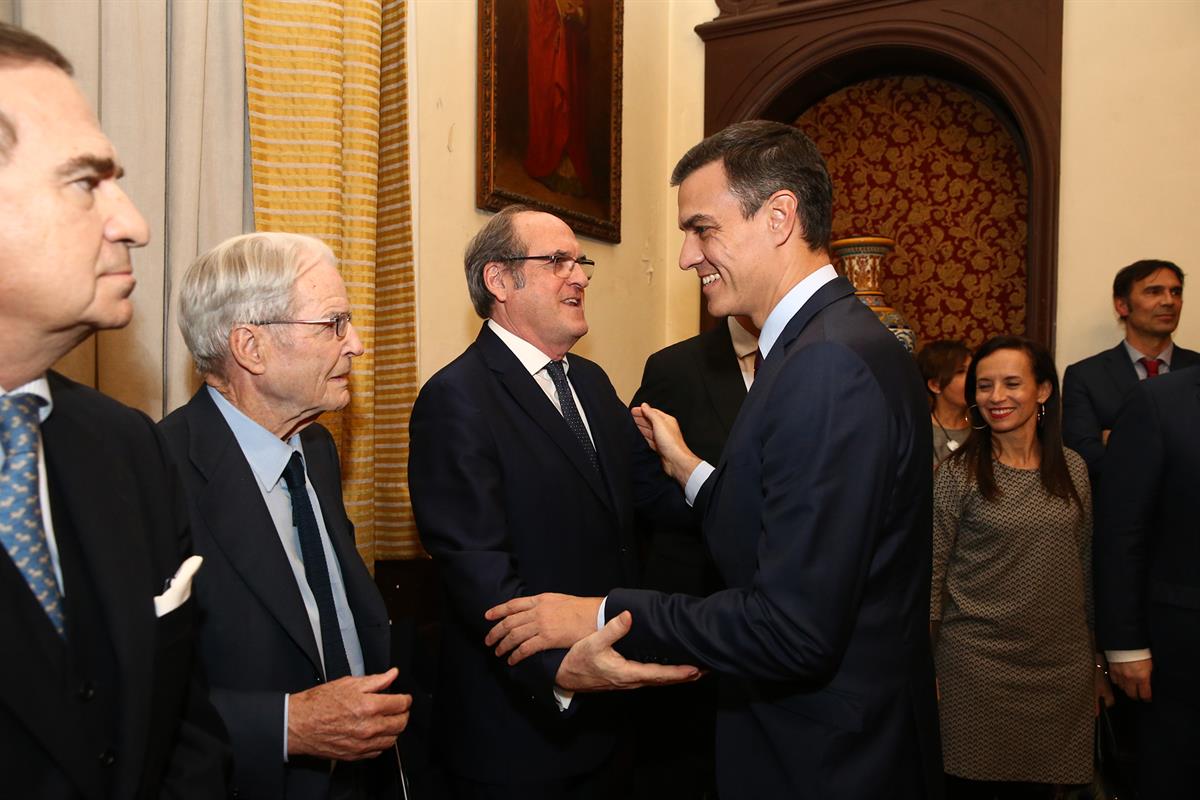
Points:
(549, 116)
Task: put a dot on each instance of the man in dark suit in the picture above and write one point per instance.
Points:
(1148, 298)
(294, 633)
(1146, 552)
(818, 514)
(98, 695)
(702, 382)
(526, 472)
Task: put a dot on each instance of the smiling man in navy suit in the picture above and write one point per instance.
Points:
(817, 515)
(526, 475)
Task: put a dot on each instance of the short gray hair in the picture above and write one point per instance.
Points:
(249, 278)
(496, 241)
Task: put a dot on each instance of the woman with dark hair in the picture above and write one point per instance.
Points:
(943, 365)
(1011, 606)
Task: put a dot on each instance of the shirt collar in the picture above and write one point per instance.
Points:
(39, 387)
(266, 452)
(792, 302)
(531, 358)
(1135, 356)
(744, 342)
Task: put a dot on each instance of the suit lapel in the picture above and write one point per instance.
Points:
(101, 506)
(1121, 371)
(232, 511)
(722, 375)
(370, 614)
(525, 392)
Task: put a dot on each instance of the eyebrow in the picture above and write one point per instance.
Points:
(96, 165)
(694, 221)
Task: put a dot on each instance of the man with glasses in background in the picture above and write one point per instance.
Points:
(294, 635)
(526, 472)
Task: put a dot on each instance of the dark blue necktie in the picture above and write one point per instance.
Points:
(570, 413)
(316, 570)
(21, 528)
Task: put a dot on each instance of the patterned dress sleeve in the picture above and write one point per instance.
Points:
(1079, 476)
(947, 512)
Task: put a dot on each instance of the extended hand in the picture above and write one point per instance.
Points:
(1133, 677)
(530, 625)
(592, 665)
(661, 432)
(346, 719)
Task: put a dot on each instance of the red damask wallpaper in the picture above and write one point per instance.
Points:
(927, 163)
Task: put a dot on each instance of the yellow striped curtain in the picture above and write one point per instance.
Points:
(320, 166)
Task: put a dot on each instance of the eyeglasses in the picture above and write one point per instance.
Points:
(338, 322)
(562, 265)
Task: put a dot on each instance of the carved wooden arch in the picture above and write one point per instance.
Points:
(773, 58)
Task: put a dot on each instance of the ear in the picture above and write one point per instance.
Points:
(934, 386)
(496, 279)
(1121, 306)
(782, 221)
(246, 349)
(1043, 392)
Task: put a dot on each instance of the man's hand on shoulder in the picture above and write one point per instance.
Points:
(548, 621)
(661, 432)
(592, 665)
(347, 719)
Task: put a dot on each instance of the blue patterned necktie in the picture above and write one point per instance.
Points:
(21, 506)
(570, 413)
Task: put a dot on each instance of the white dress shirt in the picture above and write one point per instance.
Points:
(745, 347)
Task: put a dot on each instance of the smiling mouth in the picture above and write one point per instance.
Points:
(574, 301)
(1000, 413)
(708, 280)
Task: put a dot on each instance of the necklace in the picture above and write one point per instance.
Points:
(951, 445)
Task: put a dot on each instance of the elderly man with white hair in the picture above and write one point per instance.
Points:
(294, 634)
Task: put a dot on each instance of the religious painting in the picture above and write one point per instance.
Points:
(549, 122)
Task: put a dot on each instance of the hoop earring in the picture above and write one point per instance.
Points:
(975, 409)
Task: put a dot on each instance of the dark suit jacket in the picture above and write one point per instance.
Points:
(117, 712)
(508, 505)
(1094, 390)
(818, 517)
(1147, 541)
(699, 382)
(255, 637)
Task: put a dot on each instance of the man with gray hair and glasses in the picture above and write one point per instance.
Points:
(295, 636)
(526, 472)
(97, 696)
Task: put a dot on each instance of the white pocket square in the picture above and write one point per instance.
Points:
(179, 588)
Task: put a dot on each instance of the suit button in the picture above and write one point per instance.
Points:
(87, 690)
(108, 758)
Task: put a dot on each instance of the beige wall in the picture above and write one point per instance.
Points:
(638, 300)
(1130, 165)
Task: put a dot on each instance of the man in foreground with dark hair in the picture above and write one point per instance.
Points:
(1148, 588)
(97, 691)
(817, 515)
(1148, 298)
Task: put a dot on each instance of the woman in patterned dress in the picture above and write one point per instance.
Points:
(1011, 606)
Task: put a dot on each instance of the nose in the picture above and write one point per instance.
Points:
(690, 255)
(352, 344)
(578, 277)
(125, 223)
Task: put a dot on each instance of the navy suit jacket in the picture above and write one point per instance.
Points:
(699, 382)
(255, 636)
(1147, 542)
(1094, 390)
(126, 681)
(818, 517)
(507, 504)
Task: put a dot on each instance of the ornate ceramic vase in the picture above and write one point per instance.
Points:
(860, 259)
